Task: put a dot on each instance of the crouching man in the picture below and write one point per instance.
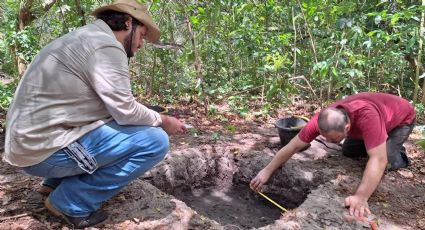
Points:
(373, 124)
(75, 122)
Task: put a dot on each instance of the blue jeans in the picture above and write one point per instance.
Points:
(123, 153)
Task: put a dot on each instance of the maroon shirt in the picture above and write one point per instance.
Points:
(372, 117)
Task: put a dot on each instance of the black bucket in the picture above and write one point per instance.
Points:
(289, 127)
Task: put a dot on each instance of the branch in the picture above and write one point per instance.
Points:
(313, 45)
(26, 14)
(305, 79)
(21, 215)
(48, 4)
(236, 93)
(295, 41)
(165, 45)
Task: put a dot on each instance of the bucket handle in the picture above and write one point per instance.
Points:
(297, 127)
(300, 126)
(302, 117)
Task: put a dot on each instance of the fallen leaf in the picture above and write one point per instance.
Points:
(6, 199)
(406, 173)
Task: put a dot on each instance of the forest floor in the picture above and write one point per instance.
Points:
(203, 183)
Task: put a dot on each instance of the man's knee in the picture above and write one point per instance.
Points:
(397, 158)
(161, 142)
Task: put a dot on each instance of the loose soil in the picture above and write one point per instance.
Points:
(203, 184)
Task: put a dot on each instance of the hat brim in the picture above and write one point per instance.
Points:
(153, 32)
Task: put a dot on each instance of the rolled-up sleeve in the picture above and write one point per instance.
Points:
(108, 74)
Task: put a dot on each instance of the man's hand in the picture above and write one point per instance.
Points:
(259, 180)
(358, 206)
(281, 157)
(172, 125)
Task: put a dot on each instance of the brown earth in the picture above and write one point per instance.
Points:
(203, 184)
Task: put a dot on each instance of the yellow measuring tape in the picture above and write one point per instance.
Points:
(277, 205)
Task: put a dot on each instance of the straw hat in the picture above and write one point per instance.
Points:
(136, 10)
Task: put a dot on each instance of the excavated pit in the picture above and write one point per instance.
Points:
(235, 206)
(217, 186)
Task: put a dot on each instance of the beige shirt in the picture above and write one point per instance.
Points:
(74, 85)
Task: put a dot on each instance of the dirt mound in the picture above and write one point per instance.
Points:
(203, 184)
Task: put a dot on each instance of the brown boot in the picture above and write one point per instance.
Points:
(94, 219)
(45, 190)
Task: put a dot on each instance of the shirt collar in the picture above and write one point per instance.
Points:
(104, 27)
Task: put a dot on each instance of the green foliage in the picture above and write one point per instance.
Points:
(6, 62)
(249, 50)
(420, 109)
(421, 142)
(231, 128)
(26, 40)
(7, 25)
(6, 94)
(215, 136)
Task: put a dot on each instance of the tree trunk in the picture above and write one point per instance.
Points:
(151, 79)
(313, 47)
(421, 34)
(295, 41)
(80, 12)
(25, 17)
(418, 60)
(198, 65)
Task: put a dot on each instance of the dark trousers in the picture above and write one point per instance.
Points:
(396, 152)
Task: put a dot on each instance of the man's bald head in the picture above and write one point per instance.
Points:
(332, 119)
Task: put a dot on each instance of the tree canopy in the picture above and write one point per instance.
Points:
(243, 51)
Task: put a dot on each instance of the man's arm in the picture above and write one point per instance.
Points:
(295, 145)
(372, 175)
(108, 75)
